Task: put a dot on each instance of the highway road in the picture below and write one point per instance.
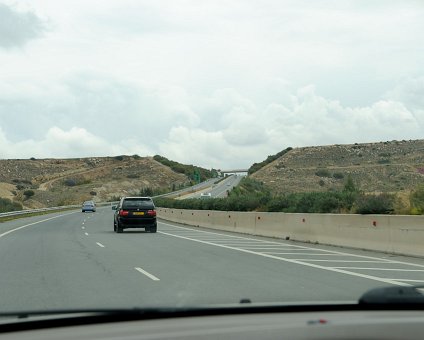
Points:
(217, 190)
(73, 260)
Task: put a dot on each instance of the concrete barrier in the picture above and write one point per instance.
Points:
(393, 234)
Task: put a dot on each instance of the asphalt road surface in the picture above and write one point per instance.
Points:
(218, 190)
(74, 260)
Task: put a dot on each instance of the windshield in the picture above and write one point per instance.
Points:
(185, 153)
(134, 203)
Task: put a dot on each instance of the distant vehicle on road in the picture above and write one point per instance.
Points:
(205, 195)
(135, 212)
(88, 206)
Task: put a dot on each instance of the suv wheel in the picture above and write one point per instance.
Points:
(119, 229)
(153, 229)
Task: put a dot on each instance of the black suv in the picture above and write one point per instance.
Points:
(135, 212)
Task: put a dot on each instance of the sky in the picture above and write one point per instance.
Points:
(220, 84)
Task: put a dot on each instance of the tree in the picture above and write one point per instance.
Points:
(350, 185)
(29, 193)
(375, 204)
(416, 200)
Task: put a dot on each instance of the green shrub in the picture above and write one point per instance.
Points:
(256, 166)
(323, 173)
(7, 205)
(29, 193)
(188, 170)
(416, 200)
(375, 204)
(70, 182)
(146, 192)
(338, 175)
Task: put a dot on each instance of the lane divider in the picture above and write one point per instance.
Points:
(150, 276)
(100, 245)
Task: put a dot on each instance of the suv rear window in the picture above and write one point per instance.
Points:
(138, 203)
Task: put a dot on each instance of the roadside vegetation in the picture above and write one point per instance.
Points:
(256, 166)
(195, 173)
(7, 205)
(252, 195)
(417, 201)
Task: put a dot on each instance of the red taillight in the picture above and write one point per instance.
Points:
(151, 212)
(123, 212)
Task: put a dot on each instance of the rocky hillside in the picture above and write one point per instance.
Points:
(395, 166)
(70, 181)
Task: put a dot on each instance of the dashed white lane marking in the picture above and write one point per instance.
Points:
(150, 276)
(100, 245)
(86, 234)
(82, 228)
(341, 271)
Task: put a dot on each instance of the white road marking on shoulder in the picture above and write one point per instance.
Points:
(347, 261)
(100, 245)
(382, 260)
(341, 271)
(390, 269)
(30, 224)
(150, 276)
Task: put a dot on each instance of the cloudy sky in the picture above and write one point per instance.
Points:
(219, 84)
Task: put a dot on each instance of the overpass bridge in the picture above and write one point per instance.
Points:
(234, 171)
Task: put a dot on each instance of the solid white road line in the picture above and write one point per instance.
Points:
(100, 245)
(150, 276)
(341, 271)
(389, 269)
(30, 224)
(312, 254)
(304, 247)
(346, 261)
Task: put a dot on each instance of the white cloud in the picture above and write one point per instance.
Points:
(19, 27)
(219, 83)
(76, 142)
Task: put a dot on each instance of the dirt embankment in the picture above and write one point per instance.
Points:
(395, 166)
(70, 181)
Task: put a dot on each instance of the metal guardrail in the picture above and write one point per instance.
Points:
(31, 211)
